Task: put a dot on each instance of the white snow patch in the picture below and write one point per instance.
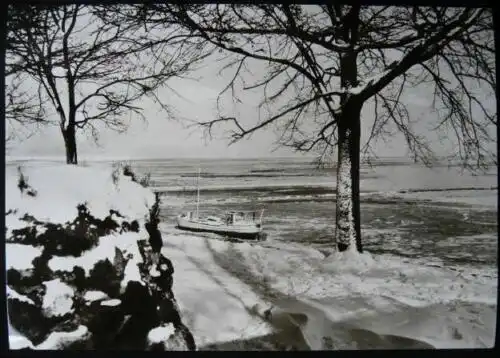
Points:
(366, 82)
(61, 188)
(16, 296)
(127, 242)
(154, 272)
(348, 261)
(58, 299)
(131, 273)
(357, 89)
(41, 230)
(20, 257)
(340, 43)
(111, 303)
(92, 296)
(161, 333)
(58, 340)
(19, 342)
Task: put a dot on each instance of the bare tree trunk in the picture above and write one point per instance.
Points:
(348, 226)
(70, 144)
(347, 235)
(70, 132)
(354, 151)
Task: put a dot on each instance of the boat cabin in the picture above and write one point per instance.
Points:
(233, 217)
(230, 218)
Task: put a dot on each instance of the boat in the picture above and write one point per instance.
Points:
(239, 224)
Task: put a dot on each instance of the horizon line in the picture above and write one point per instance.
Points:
(13, 158)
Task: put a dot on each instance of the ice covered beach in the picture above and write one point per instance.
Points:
(282, 295)
(353, 300)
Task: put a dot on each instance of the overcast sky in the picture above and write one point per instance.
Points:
(162, 137)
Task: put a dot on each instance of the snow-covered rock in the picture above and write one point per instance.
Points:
(91, 296)
(60, 340)
(80, 245)
(58, 299)
(163, 337)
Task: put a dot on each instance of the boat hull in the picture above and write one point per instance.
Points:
(242, 232)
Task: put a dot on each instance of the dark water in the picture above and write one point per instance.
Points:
(299, 203)
(404, 229)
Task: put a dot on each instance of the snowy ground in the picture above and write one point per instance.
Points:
(214, 303)
(218, 285)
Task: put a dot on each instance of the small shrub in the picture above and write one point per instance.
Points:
(127, 171)
(115, 174)
(154, 213)
(22, 184)
(145, 180)
(104, 277)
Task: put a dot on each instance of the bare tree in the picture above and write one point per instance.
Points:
(324, 63)
(24, 109)
(67, 61)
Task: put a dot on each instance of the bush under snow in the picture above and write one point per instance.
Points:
(80, 246)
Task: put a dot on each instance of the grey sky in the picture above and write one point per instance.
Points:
(163, 137)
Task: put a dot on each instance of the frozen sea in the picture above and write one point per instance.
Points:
(442, 215)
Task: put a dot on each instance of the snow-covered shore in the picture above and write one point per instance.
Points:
(382, 294)
(82, 249)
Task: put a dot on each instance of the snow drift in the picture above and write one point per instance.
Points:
(276, 296)
(84, 269)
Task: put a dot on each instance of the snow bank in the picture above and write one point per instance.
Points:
(79, 252)
(343, 288)
(65, 187)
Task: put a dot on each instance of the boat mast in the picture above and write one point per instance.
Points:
(198, 194)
